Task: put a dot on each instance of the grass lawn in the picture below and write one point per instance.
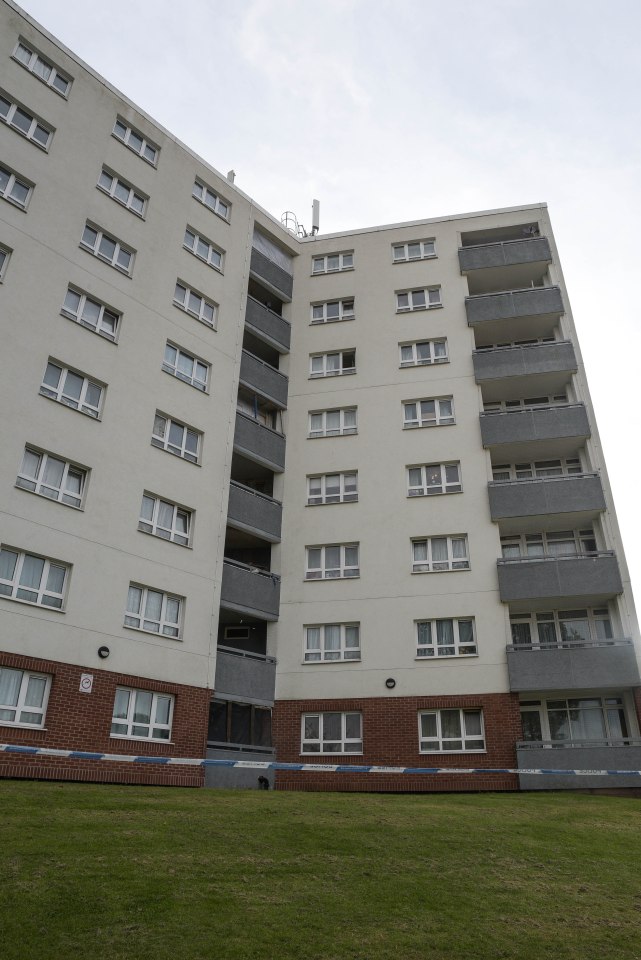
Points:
(106, 872)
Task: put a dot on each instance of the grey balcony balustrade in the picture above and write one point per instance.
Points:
(578, 755)
(245, 676)
(504, 254)
(529, 360)
(595, 575)
(573, 665)
(270, 274)
(248, 590)
(569, 420)
(514, 304)
(238, 778)
(259, 443)
(255, 512)
(267, 325)
(547, 496)
(262, 378)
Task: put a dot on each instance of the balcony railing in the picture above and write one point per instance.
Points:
(270, 274)
(573, 665)
(539, 496)
(514, 304)
(594, 575)
(504, 253)
(267, 325)
(249, 590)
(247, 676)
(606, 754)
(535, 359)
(259, 443)
(262, 378)
(253, 511)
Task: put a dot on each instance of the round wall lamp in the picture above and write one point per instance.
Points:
(103, 652)
(390, 683)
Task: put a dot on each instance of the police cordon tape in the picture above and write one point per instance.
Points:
(296, 767)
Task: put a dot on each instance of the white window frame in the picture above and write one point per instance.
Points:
(138, 619)
(82, 403)
(541, 544)
(37, 131)
(199, 379)
(203, 249)
(50, 598)
(156, 731)
(344, 261)
(345, 493)
(318, 647)
(210, 199)
(14, 180)
(341, 431)
(320, 312)
(421, 298)
(527, 403)
(21, 706)
(163, 442)
(107, 320)
(442, 744)
(325, 370)
(5, 257)
(35, 481)
(443, 414)
(426, 489)
(423, 352)
(430, 643)
(404, 252)
(176, 528)
(120, 249)
(593, 616)
(345, 744)
(449, 565)
(128, 135)
(134, 201)
(35, 62)
(342, 571)
(537, 469)
(189, 300)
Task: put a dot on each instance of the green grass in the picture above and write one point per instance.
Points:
(107, 872)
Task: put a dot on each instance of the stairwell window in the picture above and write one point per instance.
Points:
(336, 364)
(335, 561)
(331, 733)
(433, 478)
(107, 248)
(451, 731)
(14, 189)
(91, 313)
(333, 262)
(423, 299)
(431, 412)
(332, 423)
(43, 69)
(440, 554)
(446, 638)
(133, 139)
(73, 389)
(422, 352)
(24, 123)
(329, 642)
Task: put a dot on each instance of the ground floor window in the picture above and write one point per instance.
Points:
(142, 715)
(451, 731)
(577, 719)
(332, 733)
(239, 723)
(23, 697)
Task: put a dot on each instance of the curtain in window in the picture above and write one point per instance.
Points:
(10, 681)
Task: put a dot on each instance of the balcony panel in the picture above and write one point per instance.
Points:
(267, 325)
(238, 778)
(254, 512)
(271, 275)
(247, 590)
(566, 422)
(248, 677)
(509, 253)
(533, 360)
(596, 577)
(573, 666)
(259, 443)
(514, 304)
(594, 756)
(550, 496)
(260, 377)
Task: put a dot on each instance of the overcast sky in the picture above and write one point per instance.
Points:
(391, 110)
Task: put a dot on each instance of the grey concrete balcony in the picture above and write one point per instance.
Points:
(245, 676)
(548, 496)
(267, 325)
(565, 421)
(255, 512)
(595, 576)
(271, 275)
(259, 443)
(531, 360)
(262, 378)
(573, 665)
(578, 755)
(504, 254)
(542, 302)
(238, 778)
(248, 590)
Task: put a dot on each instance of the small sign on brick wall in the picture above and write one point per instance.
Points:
(86, 682)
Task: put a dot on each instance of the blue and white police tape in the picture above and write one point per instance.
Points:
(302, 767)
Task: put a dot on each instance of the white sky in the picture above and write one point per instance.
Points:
(392, 110)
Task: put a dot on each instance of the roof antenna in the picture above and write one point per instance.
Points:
(290, 221)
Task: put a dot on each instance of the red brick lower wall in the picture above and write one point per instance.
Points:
(82, 721)
(390, 738)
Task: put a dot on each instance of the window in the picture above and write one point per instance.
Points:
(332, 488)
(142, 715)
(165, 519)
(557, 543)
(5, 254)
(195, 304)
(25, 123)
(42, 69)
(239, 723)
(332, 641)
(135, 141)
(203, 249)
(435, 554)
(332, 423)
(414, 250)
(423, 299)
(559, 627)
(14, 189)
(182, 365)
(52, 477)
(451, 731)
(432, 412)
(153, 611)
(91, 313)
(32, 579)
(332, 733)
(72, 388)
(107, 248)
(433, 478)
(504, 406)
(333, 262)
(122, 192)
(334, 561)
(23, 697)
(567, 721)
(333, 310)
(422, 352)
(210, 199)
(515, 343)
(176, 438)
(445, 638)
(332, 364)
(537, 470)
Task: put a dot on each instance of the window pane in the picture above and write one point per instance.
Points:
(31, 573)
(142, 709)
